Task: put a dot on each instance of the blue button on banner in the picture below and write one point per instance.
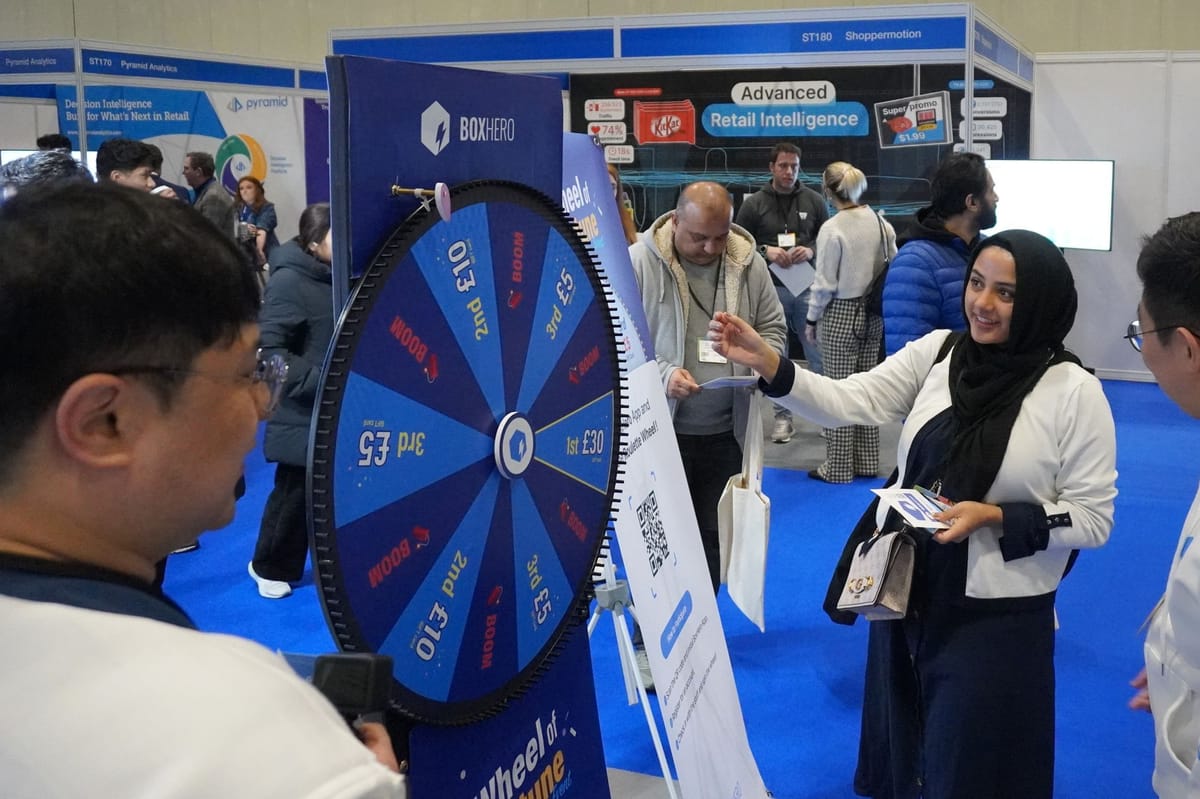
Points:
(960, 85)
(781, 121)
(672, 629)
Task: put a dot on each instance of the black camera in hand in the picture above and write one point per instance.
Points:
(358, 684)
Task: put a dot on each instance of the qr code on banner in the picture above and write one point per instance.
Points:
(657, 549)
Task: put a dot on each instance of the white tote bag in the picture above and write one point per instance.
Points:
(744, 525)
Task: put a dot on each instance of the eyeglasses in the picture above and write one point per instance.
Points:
(269, 370)
(1134, 333)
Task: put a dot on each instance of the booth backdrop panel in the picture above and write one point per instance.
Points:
(726, 131)
(1074, 117)
(1002, 109)
(135, 112)
(248, 134)
(435, 127)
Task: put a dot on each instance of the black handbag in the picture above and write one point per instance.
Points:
(873, 299)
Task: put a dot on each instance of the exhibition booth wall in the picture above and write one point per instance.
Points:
(1071, 110)
(1074, 113)
(30, 73)
(266, 120)
(1139, 110)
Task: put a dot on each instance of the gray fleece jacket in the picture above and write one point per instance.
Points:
(663, 284)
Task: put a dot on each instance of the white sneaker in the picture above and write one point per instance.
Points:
(269, 589)
(643, 664)
(783, 430)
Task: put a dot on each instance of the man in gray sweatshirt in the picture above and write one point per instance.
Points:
(691, 263)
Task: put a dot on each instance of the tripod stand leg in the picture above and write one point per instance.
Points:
(625, 644)
(613, 595)
(629, 668)
(595, 617)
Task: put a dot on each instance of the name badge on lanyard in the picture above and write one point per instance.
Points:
(786, 240)
(706, 352)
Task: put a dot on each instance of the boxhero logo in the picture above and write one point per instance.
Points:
(437, 128)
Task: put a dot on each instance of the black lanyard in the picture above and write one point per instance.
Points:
(792, 199)
(716, 290)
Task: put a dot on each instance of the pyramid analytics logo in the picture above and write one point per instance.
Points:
(253, 103)
(240, 156)
(436, 127)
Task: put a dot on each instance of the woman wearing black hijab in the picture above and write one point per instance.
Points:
(959, 698)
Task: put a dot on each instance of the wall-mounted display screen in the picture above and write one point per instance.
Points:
(1069, 202)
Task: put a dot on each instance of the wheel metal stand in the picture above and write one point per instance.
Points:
(612, 596)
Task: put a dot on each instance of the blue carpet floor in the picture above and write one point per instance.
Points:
(800, 682)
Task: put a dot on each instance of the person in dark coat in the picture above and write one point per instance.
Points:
(297, 322)
(923, 289)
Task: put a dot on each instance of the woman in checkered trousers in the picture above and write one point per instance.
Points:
(850, 251)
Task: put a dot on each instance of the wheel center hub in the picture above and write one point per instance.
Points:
(514, 445)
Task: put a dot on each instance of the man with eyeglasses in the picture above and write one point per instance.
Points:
(1165, 333)
(131, 389)
(209, 196)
